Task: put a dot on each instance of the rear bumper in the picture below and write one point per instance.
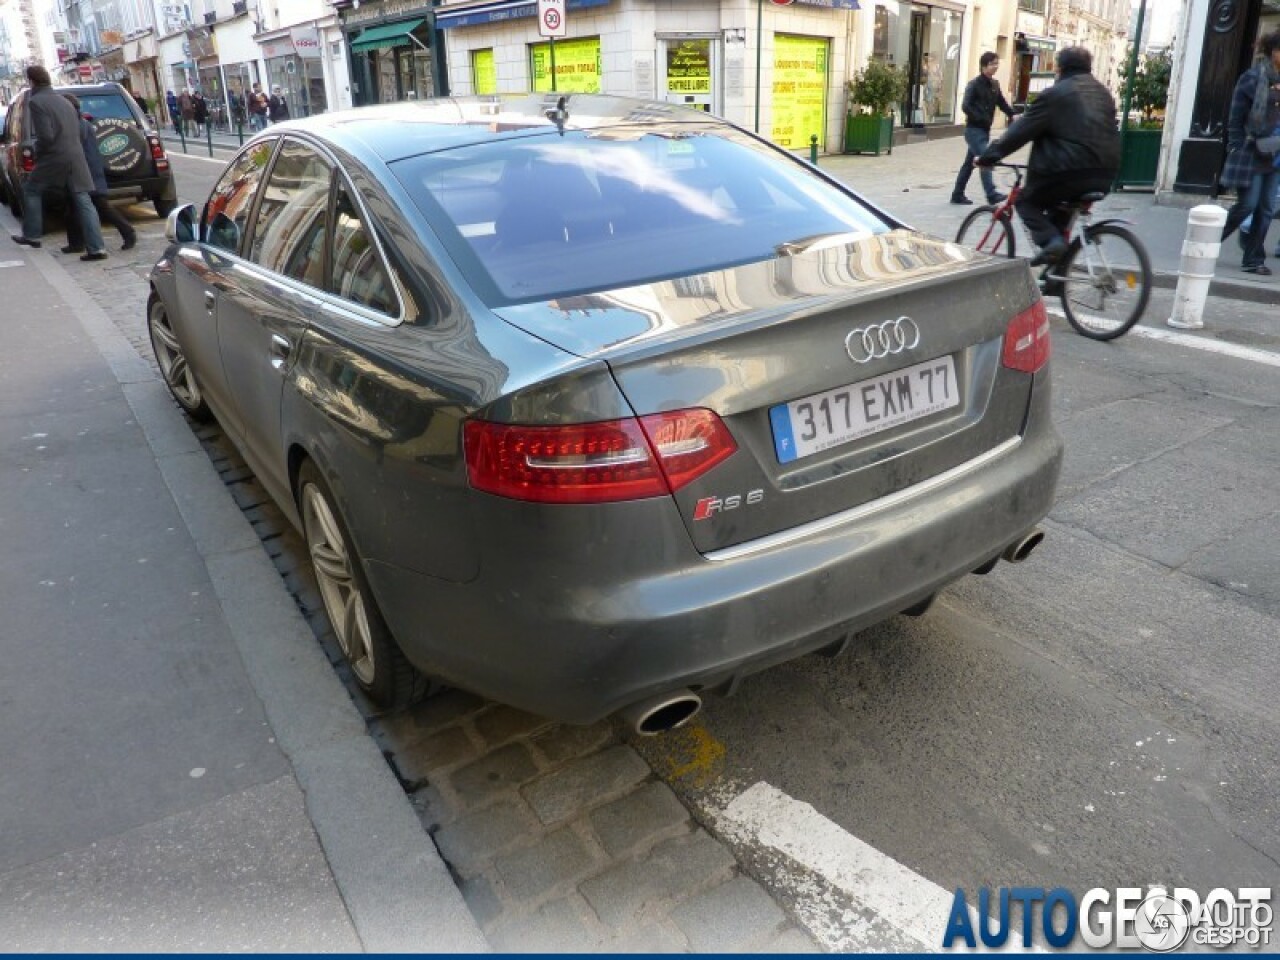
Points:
(577, 635)
(146, 188)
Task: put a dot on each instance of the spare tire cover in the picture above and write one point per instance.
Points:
(122, 146)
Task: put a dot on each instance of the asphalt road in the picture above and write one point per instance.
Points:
(1103, 714)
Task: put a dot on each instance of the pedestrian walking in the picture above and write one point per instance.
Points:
(278, 106)
(107, 212)
(187, 108)
(1253, 149)
(982, 96)
(171, 101)
(60, 166)
(258, 106)
(200, 113)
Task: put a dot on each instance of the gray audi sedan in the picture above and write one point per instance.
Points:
(594, 405)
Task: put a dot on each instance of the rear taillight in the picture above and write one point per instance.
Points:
(28, 160)
(1026, 342)
(157, 152)
(595, 462)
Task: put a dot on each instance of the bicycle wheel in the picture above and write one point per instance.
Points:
(1106, 282)
(984, 231)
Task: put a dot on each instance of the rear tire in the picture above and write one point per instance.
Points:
(1105, 288)
(986, 232)
(166, 201)
(372, 654)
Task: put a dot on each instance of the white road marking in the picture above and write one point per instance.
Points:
(1208, 345)
(13, 263)
(916, 908)
(1194, 342)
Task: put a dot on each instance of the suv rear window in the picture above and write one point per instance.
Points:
(104, 106)
(548, 216)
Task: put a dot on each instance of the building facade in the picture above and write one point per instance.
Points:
(1213, 44)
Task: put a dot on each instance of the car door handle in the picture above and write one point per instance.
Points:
(280, 350)
(209, 300)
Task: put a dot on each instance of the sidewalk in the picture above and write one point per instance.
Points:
(182, 768)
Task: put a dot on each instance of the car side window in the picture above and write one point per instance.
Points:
(358, 273)
(289, 233)
(226, 215)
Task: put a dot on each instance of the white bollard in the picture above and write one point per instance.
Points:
(1199, 257)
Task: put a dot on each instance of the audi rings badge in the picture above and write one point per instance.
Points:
(880, 340)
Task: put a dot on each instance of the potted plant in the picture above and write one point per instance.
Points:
(873, 93)
(1140, 151)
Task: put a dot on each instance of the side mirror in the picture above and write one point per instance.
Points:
(181, 225)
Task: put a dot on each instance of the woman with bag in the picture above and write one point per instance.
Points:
(1252, 151)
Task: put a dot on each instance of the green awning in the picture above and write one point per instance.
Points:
(386, 35)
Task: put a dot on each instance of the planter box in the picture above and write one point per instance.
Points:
(1139, 158)
(864, 133)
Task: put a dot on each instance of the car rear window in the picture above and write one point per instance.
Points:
(104, 106)
(545, 217)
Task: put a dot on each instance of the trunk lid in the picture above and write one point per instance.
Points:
(844, 374)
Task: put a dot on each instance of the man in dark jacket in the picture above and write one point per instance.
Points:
(101, 199)
(60, 166)
(981, 98)
(278, 106)
(1075, 149)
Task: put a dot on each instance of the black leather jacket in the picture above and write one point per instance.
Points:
(1074, 128)
(981, 97)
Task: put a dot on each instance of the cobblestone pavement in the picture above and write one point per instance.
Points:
(560, 838)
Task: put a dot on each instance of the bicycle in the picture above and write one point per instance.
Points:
(1103, 278)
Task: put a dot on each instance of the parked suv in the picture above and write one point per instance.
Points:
(132, 154)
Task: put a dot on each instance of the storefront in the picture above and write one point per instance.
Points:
(141, 57)
(1033, 68)
(924, 40)
(699, 53)
(391, 57)
(293, 60)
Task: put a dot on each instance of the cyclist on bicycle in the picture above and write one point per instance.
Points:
(1075, 149)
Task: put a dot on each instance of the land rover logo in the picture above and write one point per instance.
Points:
(110, 146)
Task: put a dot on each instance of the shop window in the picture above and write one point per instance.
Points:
(577, 66)
(484, 74)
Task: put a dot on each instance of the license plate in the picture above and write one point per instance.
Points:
(825, 420)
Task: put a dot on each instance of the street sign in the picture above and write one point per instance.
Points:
(551, 18)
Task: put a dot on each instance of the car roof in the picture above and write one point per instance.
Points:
(395, 131)
(88, 88)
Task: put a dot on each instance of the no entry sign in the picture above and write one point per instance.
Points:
(551, 18)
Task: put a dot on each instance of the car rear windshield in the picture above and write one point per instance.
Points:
(104, 106)
(549, 216)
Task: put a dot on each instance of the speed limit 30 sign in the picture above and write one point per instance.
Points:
(551, 18)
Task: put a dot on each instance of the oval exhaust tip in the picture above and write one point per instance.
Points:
(1019, 551)
(662, 714)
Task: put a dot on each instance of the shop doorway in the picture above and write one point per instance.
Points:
(913, 109)
(690, 71)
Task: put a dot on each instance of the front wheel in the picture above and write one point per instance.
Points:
(1106, 282)
(171, 357)
(984, 230)
(375, 659)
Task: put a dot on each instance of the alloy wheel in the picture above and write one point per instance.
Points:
(338, 588)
